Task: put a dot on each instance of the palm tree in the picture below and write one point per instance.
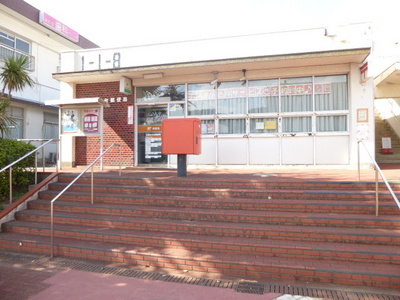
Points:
(14, 76)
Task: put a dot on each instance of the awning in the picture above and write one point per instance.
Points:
(78, 101)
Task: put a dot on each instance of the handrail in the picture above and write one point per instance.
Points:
(393, 113)
(22, 158)
(377, 170)
(71, 183)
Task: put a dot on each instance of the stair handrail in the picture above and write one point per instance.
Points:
(22, 158)
(377, 171)
(71, 183)
(392, 111)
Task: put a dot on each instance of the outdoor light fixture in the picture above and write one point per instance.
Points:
(244, 75)
(153, 75)
(215, 80)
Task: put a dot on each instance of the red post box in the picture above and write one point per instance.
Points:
(181, 136)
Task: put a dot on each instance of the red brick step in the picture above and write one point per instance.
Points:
(359, 274)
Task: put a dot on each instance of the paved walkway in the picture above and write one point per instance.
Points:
(33, 277)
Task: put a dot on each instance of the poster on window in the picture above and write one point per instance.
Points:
(91, 120)
(69, 120)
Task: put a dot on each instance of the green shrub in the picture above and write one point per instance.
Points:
(23, 172)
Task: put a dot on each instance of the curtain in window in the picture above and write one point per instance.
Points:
(331, 123)
(16, 130)
(201, 99)
(263, 96)
(296, 94)
(331, 93)
(232, 126)
(297, 124)
(50, 131)
(232, 98)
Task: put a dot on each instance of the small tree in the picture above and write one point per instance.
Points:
(15, 77)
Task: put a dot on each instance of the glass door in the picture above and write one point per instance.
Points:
(149, 136)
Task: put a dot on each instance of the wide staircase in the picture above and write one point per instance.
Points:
(382, 129)
(262, 229)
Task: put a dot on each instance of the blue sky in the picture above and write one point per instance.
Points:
(130, 22)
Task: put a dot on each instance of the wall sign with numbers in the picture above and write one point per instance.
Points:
(111, 60)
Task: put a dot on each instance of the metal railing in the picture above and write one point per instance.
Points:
(10, 166)
(72, 182)
(378, 171)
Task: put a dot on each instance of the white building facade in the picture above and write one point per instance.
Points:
(275, 99)
(24, 32)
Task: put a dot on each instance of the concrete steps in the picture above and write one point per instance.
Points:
(321, 232)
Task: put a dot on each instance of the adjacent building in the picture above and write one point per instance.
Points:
(26, 31)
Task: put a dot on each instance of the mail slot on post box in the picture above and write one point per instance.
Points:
(181, 136)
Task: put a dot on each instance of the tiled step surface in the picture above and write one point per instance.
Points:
(209, 244)
(225, 193)
(325, 205)
(250, 266)
(309, 231)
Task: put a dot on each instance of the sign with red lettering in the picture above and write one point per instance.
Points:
(261, 91)
(91, 120)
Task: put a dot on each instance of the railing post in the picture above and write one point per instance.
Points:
(358, 159)
(120, 160)
(52, 228)
(91, 184)
(43, 159)
(57, 154)
(376, 193)
(11, 185)
(36, 155)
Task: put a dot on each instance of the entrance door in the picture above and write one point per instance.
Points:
(149, 135)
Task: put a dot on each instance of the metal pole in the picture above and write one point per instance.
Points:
(57, 150)
(92, 185)
(10, 185)
(120, 160)
(52, 228)
(36, 155)
(358, 158)
(43, 159)
(376, 193)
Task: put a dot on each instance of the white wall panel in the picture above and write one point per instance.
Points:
(298, 151)
(264, 151)
(332, 150)
(232, 151)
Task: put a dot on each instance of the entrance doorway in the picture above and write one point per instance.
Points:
(149, 136)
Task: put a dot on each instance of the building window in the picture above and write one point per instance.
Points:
(296, 94)
(232, 126)
(297, 125)
(264, 125)
(207, 127)
(331, 123)
(263, 96)
(302, 105)
(50, 126)
(201, 99)
(232, 97)
(160, 94)
(11, 46)
(17, 129)
(331, 93)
